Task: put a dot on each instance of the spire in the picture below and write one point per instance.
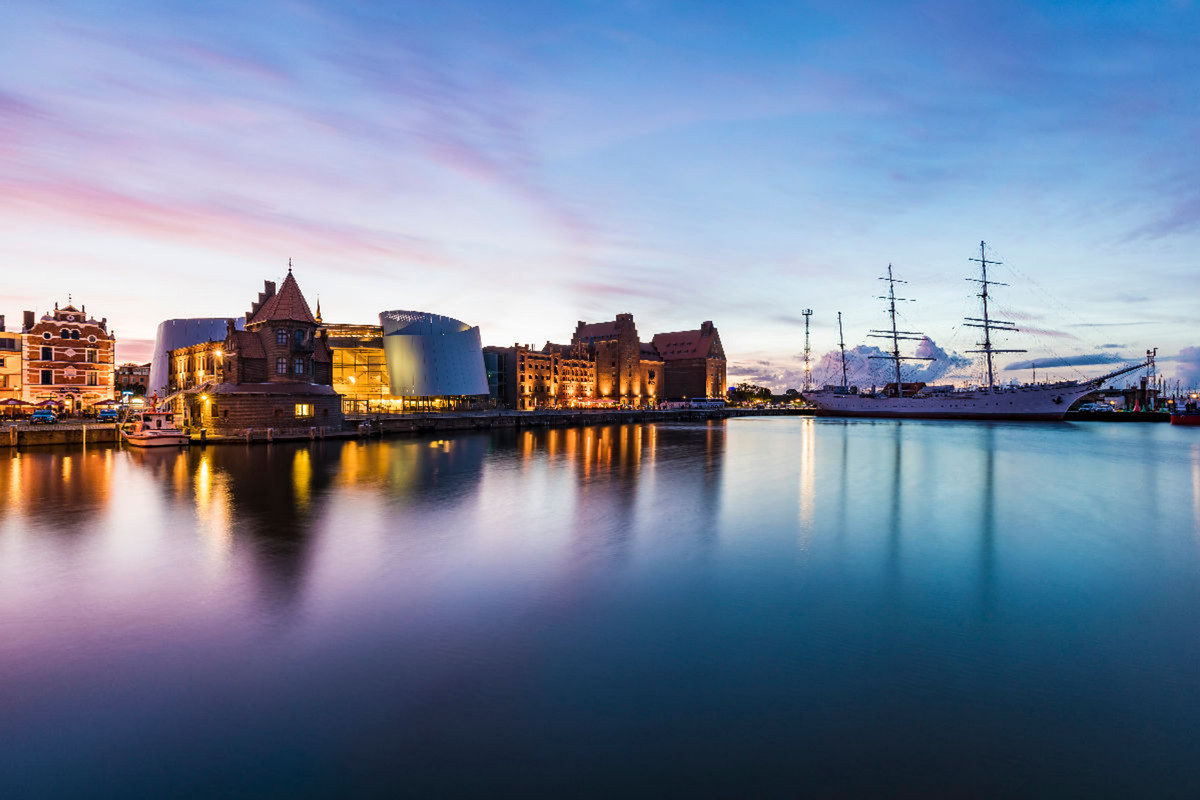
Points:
(289, 266)
(318, 316)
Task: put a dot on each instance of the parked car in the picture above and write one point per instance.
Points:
(43, 416)
(108, 415)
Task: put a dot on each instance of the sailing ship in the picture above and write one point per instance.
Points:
(1037, 401)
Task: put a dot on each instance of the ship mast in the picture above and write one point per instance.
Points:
(986, 322)
(894, 334)
(807, 351)
(842, 345)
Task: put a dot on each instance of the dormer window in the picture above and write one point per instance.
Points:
(280, 336)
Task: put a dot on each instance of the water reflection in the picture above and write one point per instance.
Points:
(587, 594)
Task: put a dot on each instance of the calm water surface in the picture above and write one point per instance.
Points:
(760, 607)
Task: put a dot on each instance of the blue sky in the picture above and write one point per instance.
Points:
(522, 166)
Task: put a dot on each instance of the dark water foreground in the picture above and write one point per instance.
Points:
(762, 607)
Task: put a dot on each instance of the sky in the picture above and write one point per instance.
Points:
(525, 165)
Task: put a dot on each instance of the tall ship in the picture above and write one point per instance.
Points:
(1035, 401)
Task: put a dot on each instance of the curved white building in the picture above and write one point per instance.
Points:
(175, 333)
(429, 355)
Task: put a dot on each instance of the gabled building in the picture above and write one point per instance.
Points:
(693, 363)
(276, 373)
(68, 358)
(627, 373)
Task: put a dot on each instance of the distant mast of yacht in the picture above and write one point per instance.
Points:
(842, 345)
(894, 334)
(986, 322)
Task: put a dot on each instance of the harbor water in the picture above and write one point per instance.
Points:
(756, 607)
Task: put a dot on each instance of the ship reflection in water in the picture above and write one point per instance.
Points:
(765, 606)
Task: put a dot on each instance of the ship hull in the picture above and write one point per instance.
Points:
(1034, 403)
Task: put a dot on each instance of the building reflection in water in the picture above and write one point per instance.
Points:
(63, 489)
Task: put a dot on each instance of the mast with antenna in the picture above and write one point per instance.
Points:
(842, 345)
(986, 322)
(807, 352)
(894, 334)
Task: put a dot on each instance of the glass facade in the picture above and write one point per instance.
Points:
(360, 375)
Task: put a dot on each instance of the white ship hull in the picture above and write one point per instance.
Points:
(1042, 402)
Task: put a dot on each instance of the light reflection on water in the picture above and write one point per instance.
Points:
(767, 606)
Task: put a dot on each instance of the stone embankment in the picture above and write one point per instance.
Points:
(79, 433)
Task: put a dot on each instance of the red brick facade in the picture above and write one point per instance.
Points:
(277, 373)
(68, 358)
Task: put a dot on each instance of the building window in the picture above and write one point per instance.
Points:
(281, 366)
(46, 335)
(304, 410)
(299, 366)
(90, 356)
(212, 410)
(47, 354)
(92, 378)
(92, 339)
(1, 361)
(281, 336)
(47, 377)
(299, 336)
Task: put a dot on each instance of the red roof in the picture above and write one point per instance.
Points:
(689, 344)
(248, 344)
(286, 305)
(597, 330)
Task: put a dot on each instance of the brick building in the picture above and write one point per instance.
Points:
(68, 358)
(627, 373)
(133, 378)
(577, 375)
(694, 363)
(277, 373)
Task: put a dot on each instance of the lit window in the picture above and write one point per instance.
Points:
(304, 410)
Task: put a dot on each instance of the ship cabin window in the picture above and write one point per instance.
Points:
(281, 336)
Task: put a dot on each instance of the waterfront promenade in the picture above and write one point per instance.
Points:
(80, 432)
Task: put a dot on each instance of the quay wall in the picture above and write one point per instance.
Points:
(66, 433)
(75, 433)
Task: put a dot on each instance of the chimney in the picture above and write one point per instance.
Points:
(28, 322)
(104, 324)
(1, 323)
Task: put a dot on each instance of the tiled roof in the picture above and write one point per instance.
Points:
(597, 330)
(290, 389)
(248, 345)
(687, 344)
(288, 304)
(649, 353)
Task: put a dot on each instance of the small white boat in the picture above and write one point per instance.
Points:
(154, 429)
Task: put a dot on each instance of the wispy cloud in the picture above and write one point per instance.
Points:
(1086, 359)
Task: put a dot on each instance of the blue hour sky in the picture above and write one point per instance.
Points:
(525, 165)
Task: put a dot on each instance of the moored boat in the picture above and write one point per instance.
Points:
(1039, 401)
(154, 429)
